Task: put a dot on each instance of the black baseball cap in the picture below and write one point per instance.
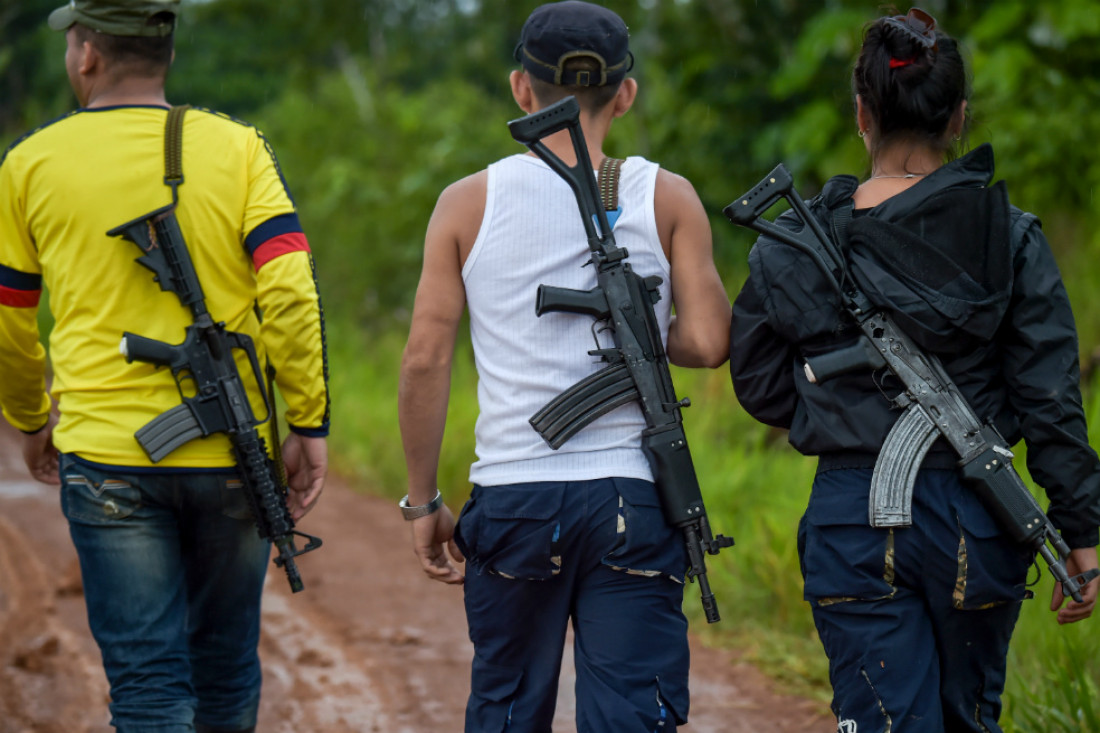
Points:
(557, 32)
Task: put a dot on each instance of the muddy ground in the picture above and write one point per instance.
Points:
(371, 644)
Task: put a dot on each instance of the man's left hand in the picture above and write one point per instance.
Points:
(1079, 561)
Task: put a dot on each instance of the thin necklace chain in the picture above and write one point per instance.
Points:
(907, 175)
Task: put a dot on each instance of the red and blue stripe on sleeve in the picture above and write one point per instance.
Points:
(277, 236)
(19, 289)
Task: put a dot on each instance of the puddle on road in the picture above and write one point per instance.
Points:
(21, 489)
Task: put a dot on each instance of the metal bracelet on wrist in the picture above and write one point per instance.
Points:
(415, 512)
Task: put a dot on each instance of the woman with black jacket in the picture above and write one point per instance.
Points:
(916, 620)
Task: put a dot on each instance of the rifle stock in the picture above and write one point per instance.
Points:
(985, 459)
(638, 368)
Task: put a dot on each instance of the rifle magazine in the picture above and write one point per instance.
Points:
(562, 417)
(168, 431)
(891, 501)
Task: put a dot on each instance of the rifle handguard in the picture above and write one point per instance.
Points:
(1005, 496)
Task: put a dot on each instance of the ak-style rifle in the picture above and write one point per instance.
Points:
(637, 368)
(932, 405)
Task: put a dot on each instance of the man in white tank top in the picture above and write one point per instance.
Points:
(575, 533)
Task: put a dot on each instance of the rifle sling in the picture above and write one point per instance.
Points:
(173, 147)
(610, 171)
(173, 178)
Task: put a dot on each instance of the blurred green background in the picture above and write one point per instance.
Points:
(373, 106)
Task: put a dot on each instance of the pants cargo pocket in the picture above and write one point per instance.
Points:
(514, 531)
(492, 693)
(992, 569)
(843, 557)
(645, 543)
(672, 704)
(857, 701)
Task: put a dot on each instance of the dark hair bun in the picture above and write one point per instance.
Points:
(910, 77)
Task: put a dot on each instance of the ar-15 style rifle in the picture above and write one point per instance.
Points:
(932, 403)
(205, 359)
(637, 366)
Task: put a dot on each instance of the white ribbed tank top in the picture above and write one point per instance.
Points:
(532, 234)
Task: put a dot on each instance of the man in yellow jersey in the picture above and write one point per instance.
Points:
(172, 563)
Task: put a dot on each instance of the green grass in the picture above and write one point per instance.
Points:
(756, 488)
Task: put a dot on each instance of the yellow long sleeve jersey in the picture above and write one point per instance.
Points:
(62, 187)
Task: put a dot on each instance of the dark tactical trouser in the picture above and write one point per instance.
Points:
(599, 553)
(916, 621)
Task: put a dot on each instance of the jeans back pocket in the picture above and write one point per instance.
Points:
(89, 496)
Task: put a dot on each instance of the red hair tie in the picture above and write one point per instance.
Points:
(898, 63)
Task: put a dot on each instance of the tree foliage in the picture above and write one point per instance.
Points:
(375, 105)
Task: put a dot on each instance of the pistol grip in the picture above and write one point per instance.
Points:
(590, 302)
(860, 356)
(150, 351)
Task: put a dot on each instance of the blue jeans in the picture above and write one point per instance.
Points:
(599, 553)
(916, 621)
(173, 569)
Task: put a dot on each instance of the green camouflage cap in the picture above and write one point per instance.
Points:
(116, 17)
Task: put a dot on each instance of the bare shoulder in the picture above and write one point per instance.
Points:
(677, 208)
(465, 191)
(459, 211)
(673, 185)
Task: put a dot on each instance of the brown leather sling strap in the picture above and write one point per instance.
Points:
(608, 181)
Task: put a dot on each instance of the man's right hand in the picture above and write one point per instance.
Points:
(430, 534)
(306, 461)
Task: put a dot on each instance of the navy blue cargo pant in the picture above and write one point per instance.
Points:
(916, 621)
(599, 553)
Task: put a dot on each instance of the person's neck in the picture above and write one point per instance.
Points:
(894, 170)
(134, 91)
(905, 162)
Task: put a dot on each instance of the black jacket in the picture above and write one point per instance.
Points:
(968, 277)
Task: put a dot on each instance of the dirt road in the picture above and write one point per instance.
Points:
(370, 645)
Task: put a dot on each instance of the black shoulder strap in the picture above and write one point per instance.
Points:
(842, 217)
(173, 148)
(610, 170)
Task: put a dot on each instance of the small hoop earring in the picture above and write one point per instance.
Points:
(861, 133)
